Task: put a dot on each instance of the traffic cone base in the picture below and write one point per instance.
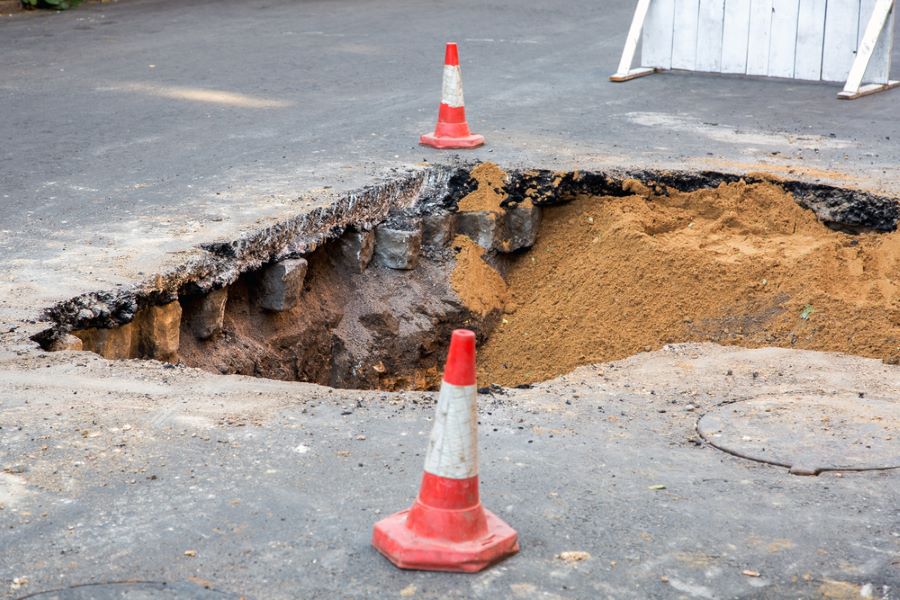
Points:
(447, 143)
(447, 528)
(397, 541)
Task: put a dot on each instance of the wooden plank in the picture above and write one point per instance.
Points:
(656, 43)
(710, 24)
(880, 63)
(865, 12)
(758, 42)
(867, 90)
(810, 38)
(631, 41)
(874, 26)
(684, 36)
(783, 40)
(735, 35)
(839, 50)
(632, 74)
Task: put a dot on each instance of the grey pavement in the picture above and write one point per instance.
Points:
(133, 131)
(270, 489)
(136, 130)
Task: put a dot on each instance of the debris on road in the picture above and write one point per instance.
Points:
(573, 556)
(750, 573)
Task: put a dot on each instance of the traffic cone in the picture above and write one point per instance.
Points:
(447, 529)
(452, 131)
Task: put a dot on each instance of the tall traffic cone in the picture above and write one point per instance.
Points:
(447, 529)
(452, 131)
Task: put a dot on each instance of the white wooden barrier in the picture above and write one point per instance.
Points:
(821, 40)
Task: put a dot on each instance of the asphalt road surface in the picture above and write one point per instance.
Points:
(134, 131)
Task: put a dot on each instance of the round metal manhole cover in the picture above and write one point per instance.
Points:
(133, 590)
(809, 434)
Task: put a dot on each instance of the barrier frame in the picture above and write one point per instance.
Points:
(878, 25)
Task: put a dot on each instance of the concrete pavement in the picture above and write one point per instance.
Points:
(271, 488)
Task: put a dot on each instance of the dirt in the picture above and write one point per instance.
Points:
(633, 186)
(769, 169)
(14, 8)
(489, 193)
(8, 8)
(742, 264)
(383, 329)
(479, 286)
(609, 276)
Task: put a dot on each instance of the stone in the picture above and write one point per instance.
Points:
(281, 284)
(519, 228)
(114, 343)
(160, 331)
(396, 248)
(208, 314)
(67, 342)
(438, 229)
(480, 225)
(356, 249)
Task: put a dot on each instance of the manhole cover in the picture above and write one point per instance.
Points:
(133, 590)
(809, 434)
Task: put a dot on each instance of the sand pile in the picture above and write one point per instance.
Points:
(479, 286)
(489, 193)
(741, 264)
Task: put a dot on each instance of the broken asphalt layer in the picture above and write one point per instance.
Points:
(133, 132)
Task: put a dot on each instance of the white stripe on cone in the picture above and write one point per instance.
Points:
(451, 91)
(453, 446)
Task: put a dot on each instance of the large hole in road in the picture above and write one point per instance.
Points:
(552, 270)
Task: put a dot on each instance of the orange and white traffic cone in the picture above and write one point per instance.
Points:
(447, 528)
(452, 131)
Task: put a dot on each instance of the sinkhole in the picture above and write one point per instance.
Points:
(551, 270)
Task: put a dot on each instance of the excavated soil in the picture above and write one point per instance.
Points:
(487, 195)
(478, 285)
(742, 264)
(608, 276)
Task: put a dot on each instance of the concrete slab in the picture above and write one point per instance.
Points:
(269, 489)
(808, 434)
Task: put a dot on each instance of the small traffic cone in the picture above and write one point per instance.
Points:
(452, 131)
(447, 529)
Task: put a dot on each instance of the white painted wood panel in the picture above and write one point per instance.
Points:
(656, 43)
(840, 39)
(758, 42)
(735, 35)
(709, 35)
(803, 39)
(886, 46)
(783, 38)
(874, 28)
(810, 37)
(631, 41)
(684, 38)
